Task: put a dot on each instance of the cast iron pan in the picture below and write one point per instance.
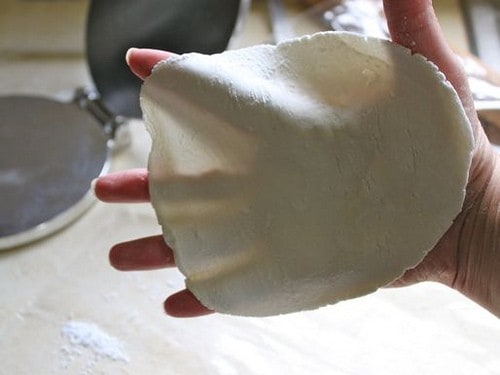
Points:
(177, 26)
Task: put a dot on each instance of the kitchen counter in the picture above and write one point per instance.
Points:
(64, 310)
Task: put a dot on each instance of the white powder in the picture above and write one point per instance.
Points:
(84, 335)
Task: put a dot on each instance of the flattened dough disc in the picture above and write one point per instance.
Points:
(287, 178)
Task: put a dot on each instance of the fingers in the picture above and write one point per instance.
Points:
(184, 304)
(143, 254)
(152, 253)
(132, 186)
(414, 25)
(142, 61)
(125, 186)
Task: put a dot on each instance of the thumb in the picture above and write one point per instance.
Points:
(414, 25)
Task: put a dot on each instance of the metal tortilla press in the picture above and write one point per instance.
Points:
(50, 151)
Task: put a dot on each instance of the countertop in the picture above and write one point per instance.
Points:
(64, 310)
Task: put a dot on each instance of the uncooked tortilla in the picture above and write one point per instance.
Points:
(294, 176)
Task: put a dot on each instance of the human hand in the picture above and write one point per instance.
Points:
(467, 257)
(131, 186)
(454, 261)
(147, 253)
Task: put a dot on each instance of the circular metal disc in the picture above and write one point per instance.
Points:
(177, 26)
(49, 154)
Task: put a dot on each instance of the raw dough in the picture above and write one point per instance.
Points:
(293, 176)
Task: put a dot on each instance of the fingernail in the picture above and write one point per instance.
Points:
(129, 52)
(93, 185)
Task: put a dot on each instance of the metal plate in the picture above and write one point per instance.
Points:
(178, 26)
(49, 154)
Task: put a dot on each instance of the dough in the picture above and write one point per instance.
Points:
(294, 176)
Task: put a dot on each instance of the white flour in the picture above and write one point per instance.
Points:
(84, 336)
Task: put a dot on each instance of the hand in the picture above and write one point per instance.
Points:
(132, 186)
(467, 257)
(146, 253)
(462, 259)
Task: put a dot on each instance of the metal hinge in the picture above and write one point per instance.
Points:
(115, 127)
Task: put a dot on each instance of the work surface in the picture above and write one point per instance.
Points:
(64, 310)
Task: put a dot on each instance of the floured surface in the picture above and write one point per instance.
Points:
(293, 177)
(425, 329)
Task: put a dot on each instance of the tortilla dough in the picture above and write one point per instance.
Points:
(293, 176)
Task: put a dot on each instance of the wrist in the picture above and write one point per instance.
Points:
(478, 252)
